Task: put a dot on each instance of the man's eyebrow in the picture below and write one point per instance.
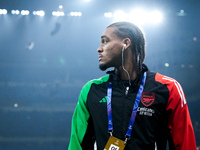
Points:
(103, 36)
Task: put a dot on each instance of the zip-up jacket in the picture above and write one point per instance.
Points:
(162, 115)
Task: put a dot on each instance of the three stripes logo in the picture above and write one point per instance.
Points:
(104, 100)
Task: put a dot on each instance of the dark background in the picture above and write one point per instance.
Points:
(39, 86)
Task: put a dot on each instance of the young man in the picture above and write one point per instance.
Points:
(131, 107)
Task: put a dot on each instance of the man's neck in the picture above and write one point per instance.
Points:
(123, 75)
(128, 70)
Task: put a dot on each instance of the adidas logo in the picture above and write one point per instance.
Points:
(104, 100)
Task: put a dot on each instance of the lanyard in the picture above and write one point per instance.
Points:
(135, 107)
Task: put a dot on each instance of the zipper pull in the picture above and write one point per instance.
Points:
(127, 89)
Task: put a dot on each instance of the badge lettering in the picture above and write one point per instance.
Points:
(113, 147)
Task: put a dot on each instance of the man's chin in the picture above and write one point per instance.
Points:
(102, 67)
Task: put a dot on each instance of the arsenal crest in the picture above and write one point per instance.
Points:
(147, 98)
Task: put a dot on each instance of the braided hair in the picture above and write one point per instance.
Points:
(131, 31)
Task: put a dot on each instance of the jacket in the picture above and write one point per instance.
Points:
(162, 117)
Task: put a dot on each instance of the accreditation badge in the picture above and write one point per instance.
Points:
(115, 144)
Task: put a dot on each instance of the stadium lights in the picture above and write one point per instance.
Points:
(25, 12)
(181, 13)
(60, 6)
(39, 13)
(108, 15)
(137, 16)
(3, 11)
(15, 12)
(58, 13)
(119, 15)
(155, 17)
(78, 14)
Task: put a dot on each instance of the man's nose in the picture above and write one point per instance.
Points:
(100, 49)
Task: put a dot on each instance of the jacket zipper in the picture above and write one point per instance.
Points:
(127, 89)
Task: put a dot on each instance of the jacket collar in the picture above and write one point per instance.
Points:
(134, 83)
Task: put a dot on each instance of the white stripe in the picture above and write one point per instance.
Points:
(95, 145)
(179, 88)
(183, 100)
(155, 146)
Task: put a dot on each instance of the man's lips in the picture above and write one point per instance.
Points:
(100, 57)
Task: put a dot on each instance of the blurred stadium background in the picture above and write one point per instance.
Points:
(48, 52)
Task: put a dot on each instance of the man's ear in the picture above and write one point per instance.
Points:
(127, 42)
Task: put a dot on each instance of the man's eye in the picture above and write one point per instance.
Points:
(103, 41)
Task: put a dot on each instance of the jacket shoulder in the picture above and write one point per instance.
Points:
(170, 82)
(100, 80)
(97, 81)
(174, 87)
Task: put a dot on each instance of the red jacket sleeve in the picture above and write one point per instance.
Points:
(179, 123)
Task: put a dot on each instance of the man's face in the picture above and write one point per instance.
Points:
(110, 49)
